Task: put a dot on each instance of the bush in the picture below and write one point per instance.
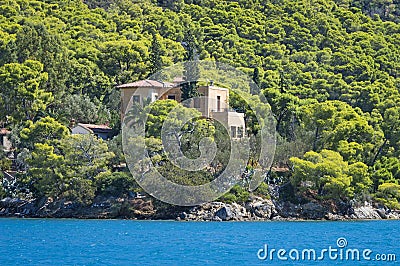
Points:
(115, 184)
(228, 198)
(5, 163)
(236, 194)
(389, 195)
(81, 191)
(262, 190)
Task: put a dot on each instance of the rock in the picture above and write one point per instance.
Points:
(183, 215)
(288, 209)
(277, 218)
(366, 212)
(333, 217)
(393, 215)
(313, 211)
(381, 213)
(216, 219)
(5, 202)
(225, 213)
(12, 202)
(239, 213)
(260, 208)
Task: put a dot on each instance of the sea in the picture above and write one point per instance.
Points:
(132, 242)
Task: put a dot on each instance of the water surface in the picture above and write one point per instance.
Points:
(124, 242)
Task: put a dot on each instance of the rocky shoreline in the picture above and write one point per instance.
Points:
(256, 209)
(259, 209)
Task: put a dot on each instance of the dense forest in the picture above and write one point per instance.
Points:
(329, 69)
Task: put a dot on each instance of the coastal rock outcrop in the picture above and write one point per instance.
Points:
(225, 213)
(255, 209)
(260, 208)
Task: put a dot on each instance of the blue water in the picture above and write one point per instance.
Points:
(121, 242)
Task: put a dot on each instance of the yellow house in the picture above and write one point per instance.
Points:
(212, 103)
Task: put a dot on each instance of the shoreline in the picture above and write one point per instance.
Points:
(16, 216)
(256, 209)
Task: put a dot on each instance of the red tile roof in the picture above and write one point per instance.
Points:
(146, 83)
(4, 131)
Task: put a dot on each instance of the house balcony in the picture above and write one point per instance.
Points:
(223, 110)
(232, 120)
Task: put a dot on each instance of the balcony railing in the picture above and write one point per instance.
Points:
(224, 110)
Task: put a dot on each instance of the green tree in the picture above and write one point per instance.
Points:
(389, 195)
(45, 130)
(5, 162)
(86, 155)
(155, 55)
(83, 110)
(284, 107)
(117, 184)
(22, 93)
(46, 172)
(69, 168)
(257, 82)
(391, 130)
(35, 42)
(191, 71)
(335, 121)
(124, 59)
(385, 170)
(329, 175)
(86, 78)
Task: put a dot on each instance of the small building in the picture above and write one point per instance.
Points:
(4, 139)
(145, 89)
(213, 102)
(101, 131)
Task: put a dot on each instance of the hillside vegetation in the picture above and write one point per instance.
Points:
(330, 71)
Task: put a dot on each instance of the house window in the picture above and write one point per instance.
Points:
(196, 103)
(218, 103)
(240, 132)
(233, 131)
(136, 99)
(171, 97)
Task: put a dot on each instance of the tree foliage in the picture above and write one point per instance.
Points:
(329, 70)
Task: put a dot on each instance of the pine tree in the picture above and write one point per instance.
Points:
(155, 55)
(191, 71)
(255, 87)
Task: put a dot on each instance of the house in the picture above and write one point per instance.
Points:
(101, 131)
(4, 139)
(212, 103)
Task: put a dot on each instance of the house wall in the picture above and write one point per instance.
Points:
(221, 117)
(211, 104)
(208, 106)
(214, 92)
(236, 123)
(146, 93)
(232, 121)
(173, 92)
(6, 143)
(126, 95)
